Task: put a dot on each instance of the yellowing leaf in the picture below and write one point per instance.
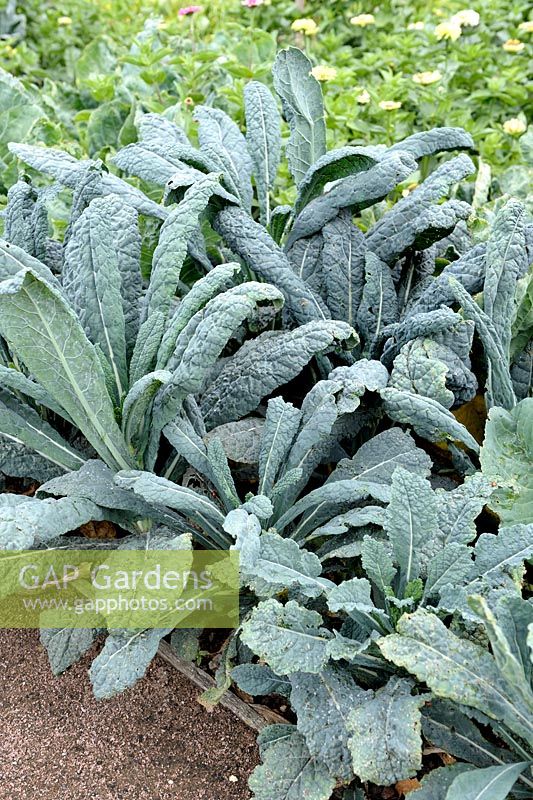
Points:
(409, 785)
(473, 416)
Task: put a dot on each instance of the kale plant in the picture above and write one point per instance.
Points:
(320, 374)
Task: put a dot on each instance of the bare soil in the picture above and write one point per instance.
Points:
(155, 742)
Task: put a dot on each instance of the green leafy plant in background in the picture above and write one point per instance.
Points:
(93, 66)
(12, 24)
(306, 368)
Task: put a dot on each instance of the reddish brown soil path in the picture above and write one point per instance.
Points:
(155, 742)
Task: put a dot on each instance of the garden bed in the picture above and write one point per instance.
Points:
(58, 743)
(278, 315)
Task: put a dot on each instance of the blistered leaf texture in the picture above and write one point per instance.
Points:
(65, 646)
(456, 669)
(355, 192)
(263, 138)
(146, 346)
(332, 495)
(288, 637)
(386, 741)
(166, 493)
(281, 426)
(303, 107)
(20, 461)
(171, 249)
(305, 257)
(271, 564)
(469, 270)
(343, 267)
(288, 771)
(241, 440)
(25, 521)
(377, 563)
(506, 263)
(411, 518)
(94, 481)
(92, 282)
(459, 508)
(137, 408)
(221, 140)
(264, 257)
(265, 363)
(13, 259)
(379, 303)
(124, 659)
(428, 417)
(417, 227)
(65, 169)
(506, 458)
(332, 166)
(437, 140)
(218, 280)
(323, 703)
(414, 221)
(377, 459)
(417, 370)
(500, 390)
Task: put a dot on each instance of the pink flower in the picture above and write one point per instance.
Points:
(252, 3)
(183, 12)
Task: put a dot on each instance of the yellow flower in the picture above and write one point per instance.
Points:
(64, 21)
(513, 46)
(415, 26)
(363, 98)
(390, 105)
(448, 30)
(306, 26)
(527, 27)
(407, 191)
(323, 73)
(468, 18)
(425, 78)
(514, 127)
(362, 20)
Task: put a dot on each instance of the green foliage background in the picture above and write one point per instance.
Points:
(90, 65)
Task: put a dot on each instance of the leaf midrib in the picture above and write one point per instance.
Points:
(79, 394)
